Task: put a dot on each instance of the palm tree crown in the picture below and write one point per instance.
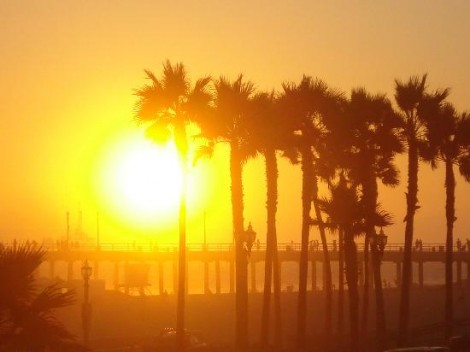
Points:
(27, 320)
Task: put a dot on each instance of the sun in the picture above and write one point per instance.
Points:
(140, 182)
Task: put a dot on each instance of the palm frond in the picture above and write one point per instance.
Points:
(174, 81)
(464, 167)
(382, 218)
(159, 132)
(200, 99)
(51, 298)
(204, 151)
(409, 94)
(27, 322)
(17, 267)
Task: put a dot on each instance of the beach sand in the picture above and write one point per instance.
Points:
(122, 320)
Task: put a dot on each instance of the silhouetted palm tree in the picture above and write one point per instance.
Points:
(268, 135)
(306, 105)
(409, 96)
(375, 142)
(27, 321)
(448, 141)
(169, 105)
(344, 212)
(228, 123)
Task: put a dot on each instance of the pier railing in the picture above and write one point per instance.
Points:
(257, 246)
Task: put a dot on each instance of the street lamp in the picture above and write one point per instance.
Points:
(86, 307)
(249, 237)
(379, 241)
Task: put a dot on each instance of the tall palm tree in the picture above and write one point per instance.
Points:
(448, 141)
(306, 105)
(408, 97)
(375, 142)
(228, 123)
(347, 212)
(169, 105)
(344, 212)
(27, 321)
(268, 135)
(309, 105)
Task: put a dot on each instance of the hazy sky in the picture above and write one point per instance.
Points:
(68, 70)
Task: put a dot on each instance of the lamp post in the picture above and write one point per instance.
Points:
(249, 237)
(244, 240)
(378, 242)
(86, 307)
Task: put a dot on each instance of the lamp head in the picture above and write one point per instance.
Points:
(86, 270)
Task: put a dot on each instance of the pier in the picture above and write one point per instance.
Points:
(134, 260)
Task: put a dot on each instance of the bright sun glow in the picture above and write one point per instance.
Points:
(139, 181)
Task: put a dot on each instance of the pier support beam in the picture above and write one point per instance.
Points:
(161, 288)
(398, 276)
(253, 276)
(96, 270)
(116, 275)
(459, 272)
(232, 276)
(313, 266)
(175, 277)
(126, 270)
(206, 277)
(217, 277)
(421, 273)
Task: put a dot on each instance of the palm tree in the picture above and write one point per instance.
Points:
(307, 105)
(268, 135)
(228, 123)
(169, 105)
(448, 140)
(373, 127)
(27, 321)
(344, 212)
(409, 96)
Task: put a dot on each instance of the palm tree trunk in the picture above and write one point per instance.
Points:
(307, 173)
(265, 312)
(366, 288)
(326, 262)
(370, 191)
(369, 200)
(180, 312)
(271, 240)
(350, 256)
(411, 207)
(450, 217)
(277, 298)
(241, 259)
(379, 301)
(341, 283)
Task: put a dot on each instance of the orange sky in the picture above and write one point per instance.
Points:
(68, 70)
